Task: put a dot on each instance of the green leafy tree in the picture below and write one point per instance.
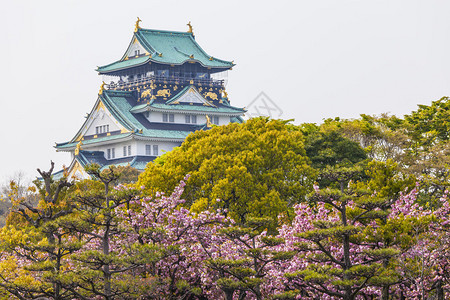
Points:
(34, 248)
(382, 137)
(126, 174)
(430, 124)
(103, 268)
(341, 259)
(386, 178)
(245, 257)
(258, 168)
(332, 149)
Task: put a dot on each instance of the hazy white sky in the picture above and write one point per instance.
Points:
(315, 59)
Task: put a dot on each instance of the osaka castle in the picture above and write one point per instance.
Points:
(163, 88)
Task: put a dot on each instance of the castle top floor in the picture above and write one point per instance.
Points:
(165, 56)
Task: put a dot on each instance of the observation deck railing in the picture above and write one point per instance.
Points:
(163, 79)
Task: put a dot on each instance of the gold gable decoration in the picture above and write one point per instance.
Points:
(208, 122)
(78, 148)
(102, 88)
(136, 26)
(190, 30)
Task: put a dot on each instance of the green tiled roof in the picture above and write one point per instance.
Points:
(221, 108)
(118, 105)
(118, 65)
(139, 165)
(63, 146)
(168, 47)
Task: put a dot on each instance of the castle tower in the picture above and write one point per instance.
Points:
(163, 88)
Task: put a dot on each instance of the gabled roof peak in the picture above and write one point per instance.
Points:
(166, 32)
(167, 48)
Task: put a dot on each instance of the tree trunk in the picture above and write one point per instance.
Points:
(402, 297)
(385, 293)
(228, 294)
(440, 290)
(106, 272)
(105, 242)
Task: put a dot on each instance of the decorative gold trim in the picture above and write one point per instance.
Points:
(146, 93)
(102, 88)
(190, 30)
(78, 148)
(163, 93)
(211, 95)
(136, 26)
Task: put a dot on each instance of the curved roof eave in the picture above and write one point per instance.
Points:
(154, 53)
(151, 59)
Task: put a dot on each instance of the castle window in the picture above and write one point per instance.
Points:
(129, 150)
(191, 119)
(101, 129)
(124, 150)
(111, 153)
(168, 118)
(148, 150)
(136, 52)
(216, 120)
(155, 150)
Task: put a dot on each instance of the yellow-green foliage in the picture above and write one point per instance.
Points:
(257, 168)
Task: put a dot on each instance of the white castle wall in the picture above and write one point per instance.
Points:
(101, 118)
(179, 118)
(137, 147)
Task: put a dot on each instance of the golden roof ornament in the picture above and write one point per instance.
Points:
(208, 122)
(190, 30)
(137, 27)
(78, 148)
(102, 88)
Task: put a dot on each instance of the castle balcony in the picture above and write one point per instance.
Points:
(179, 80)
